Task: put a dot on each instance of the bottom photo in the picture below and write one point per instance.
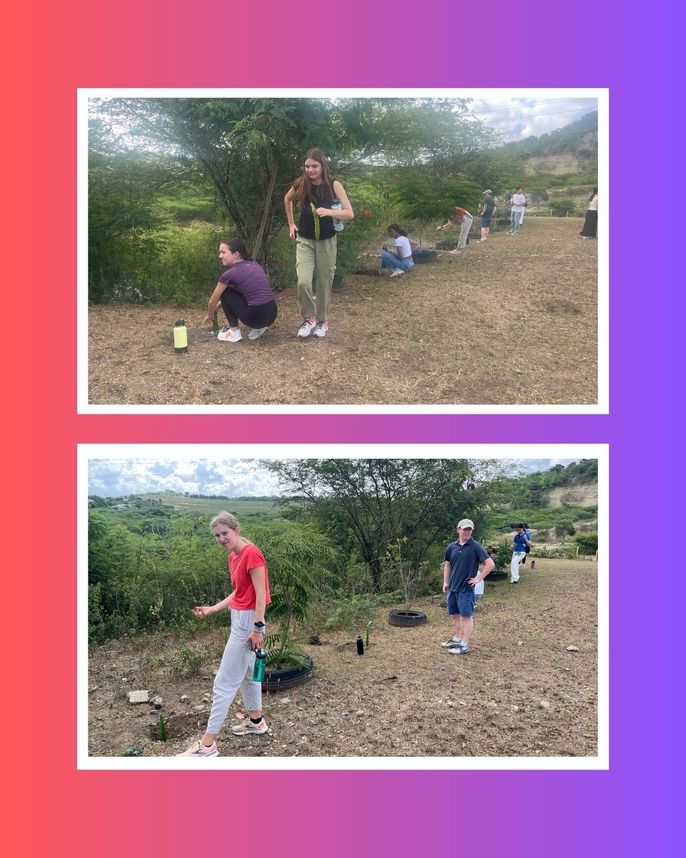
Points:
(377, 606)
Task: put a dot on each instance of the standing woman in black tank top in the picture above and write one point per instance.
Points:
(315, 191)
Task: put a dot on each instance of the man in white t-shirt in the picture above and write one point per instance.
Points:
(518, 203)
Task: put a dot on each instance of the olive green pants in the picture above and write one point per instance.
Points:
(315, 261)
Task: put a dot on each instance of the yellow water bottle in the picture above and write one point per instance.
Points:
(180, 337)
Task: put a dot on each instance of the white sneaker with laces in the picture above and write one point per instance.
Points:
(306, 328)
(397, 272)
(247, 727)
(256, 333)
(459, 649)
(230, 336)
(321, 329)
(197, 749)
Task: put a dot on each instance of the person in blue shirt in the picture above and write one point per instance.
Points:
(520, 542)
(460, 575)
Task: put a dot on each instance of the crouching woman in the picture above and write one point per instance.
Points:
(247, 603)
(244, 293)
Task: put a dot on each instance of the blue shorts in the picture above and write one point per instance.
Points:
(486, 220)
(461, 603)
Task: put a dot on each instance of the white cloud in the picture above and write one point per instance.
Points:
(229, 477)
(519, 118)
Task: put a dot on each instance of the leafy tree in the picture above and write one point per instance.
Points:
(376, 501)
(249, 150)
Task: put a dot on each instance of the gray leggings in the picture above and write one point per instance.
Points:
(235, 672)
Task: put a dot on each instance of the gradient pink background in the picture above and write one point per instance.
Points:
(48, 50)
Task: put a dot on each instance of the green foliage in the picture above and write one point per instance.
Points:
(132, 751)
(158, 163)
(352, 612)
(501, 553)
(162, 729)
(294, 557)
(561, 208)
(188, 660)
(587, 542)
(565, 528)
(366, 504)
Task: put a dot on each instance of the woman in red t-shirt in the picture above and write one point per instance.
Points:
(247, 602)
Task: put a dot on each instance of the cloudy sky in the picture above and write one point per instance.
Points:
(519, 118)
(228, 477)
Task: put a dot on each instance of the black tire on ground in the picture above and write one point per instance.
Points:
(420, 256)
(447, 244)
(497, 576)
(287, 677)
(407, 618)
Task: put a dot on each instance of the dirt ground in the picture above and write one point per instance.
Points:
(511, 321)
(520, 692)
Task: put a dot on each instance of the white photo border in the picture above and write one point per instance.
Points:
(85, 407)
(180, 452)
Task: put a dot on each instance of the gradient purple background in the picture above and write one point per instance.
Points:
(629, 810)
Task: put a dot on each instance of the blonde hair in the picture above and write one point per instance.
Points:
(226, 519)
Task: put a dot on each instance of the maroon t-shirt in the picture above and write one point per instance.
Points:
(248, 278)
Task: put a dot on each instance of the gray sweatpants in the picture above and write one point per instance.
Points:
(235, 672)
(466, 225)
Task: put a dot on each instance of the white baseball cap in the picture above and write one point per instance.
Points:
(466, 522)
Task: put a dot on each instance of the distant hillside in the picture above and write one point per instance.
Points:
(572, 149)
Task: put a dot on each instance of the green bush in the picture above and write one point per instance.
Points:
(352, 612)
(561, 208)
(587, 542)
(188, 660)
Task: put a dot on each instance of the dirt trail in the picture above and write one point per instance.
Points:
(511, 321)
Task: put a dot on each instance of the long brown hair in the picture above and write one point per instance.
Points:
(303, 187)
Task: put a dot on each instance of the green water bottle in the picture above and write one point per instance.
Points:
(260, 661)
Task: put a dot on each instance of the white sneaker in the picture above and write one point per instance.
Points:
(197, 749)
(321, 329)
(397, 272)
(451, 642)
(459, 649)
(306, 328)
(256, 333)
(247, 727)
(230, 336)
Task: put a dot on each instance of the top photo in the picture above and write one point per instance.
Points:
(343, 251)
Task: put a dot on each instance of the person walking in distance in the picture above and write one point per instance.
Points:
(460, 575)
(519, 546)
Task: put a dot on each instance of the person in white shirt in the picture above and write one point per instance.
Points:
(399, 259)
(518, 203)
